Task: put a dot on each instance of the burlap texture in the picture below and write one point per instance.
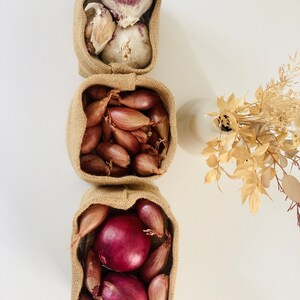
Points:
(89, 65)
(122, 197)
(77, 123)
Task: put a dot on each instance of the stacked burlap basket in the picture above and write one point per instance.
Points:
(122, 192)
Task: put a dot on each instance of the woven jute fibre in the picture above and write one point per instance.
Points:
(122, 198)
(89, 65)
(77, 123)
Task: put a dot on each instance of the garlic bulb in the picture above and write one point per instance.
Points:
(130, 46)
(100, 27)
(127, 12)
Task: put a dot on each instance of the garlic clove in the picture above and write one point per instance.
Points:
(127, 12)
(129, 46)
(100, 27)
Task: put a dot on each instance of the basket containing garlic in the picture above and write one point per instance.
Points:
(116, 36)
(112, 226)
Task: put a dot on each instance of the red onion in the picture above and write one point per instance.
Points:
(118, 286)
(151, 214)
(122, 244)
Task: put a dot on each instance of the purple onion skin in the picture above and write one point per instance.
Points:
(121, 243)
(118, 286)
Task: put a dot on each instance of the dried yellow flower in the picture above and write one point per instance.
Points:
(262, 137)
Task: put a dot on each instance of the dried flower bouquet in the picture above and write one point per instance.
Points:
(262, 138)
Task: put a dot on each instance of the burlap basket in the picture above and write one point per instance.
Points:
(122, 198)
(77, 123)
(89, 65)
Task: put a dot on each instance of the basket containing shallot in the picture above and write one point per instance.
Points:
(121, 129)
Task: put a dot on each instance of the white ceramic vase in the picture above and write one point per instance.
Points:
(194, 126)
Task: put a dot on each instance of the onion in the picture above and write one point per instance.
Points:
(127, 12)
(122, 244)
(84, 297)
(117, 286)
(130, 46)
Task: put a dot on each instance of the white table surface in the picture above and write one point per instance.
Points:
(207, 48)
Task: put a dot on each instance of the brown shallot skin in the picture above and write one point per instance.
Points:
(127, 118)
(140, 99)
(113, 153)
(91, 139)
(95, 112)
(159, 287)
(151, 215)
(158, 113)
(94, 165)
(146, 164)
(156, 261)
(127, 140)
(97, 92)
(90, 219)
(84, 297)
(141, 135)
(92, 273)
(117, 171)
(107, 131)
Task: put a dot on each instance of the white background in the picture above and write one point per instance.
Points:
(207, 48)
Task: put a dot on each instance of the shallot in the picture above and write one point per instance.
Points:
(159, 287)
(94, 165)
(151, 214)
(156, 261)
(91, 139)
(146, 164)
(113, 153)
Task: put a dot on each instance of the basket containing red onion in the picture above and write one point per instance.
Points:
(116, 36)
(121, 129)
(124, 245)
